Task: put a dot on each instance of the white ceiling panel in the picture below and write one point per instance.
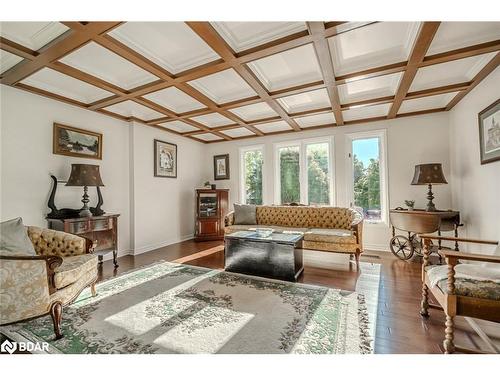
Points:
(358, 113)
(33, 35)
(223, 87)
(130, 108)
(8, 60)
(255, 111)
(455, 35)
(61, 84)
(102, 63)
(174, 99)
(371, 46)
(237, 132)
(208, 137)
(371, 88)
(456, 71)
(272, 127)
(245, 35)
(427, 102)
(178, 126)
(213, 120)
(316, 120)
(286, 69)
(305, 101)
(172, 45)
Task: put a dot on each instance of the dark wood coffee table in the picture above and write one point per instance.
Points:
(278, 256)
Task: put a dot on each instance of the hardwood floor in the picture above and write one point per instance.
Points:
(391, 288)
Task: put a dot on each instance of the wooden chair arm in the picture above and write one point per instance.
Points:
(51, 262)
(469, 256)
(458, 239)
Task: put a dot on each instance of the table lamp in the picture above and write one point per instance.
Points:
(429, 174)
(85, 175)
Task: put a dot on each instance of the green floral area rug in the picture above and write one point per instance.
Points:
(174, 308)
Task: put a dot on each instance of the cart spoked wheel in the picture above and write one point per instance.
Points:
(418, 246)
(402, 247)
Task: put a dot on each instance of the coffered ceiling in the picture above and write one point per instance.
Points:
(217, 81)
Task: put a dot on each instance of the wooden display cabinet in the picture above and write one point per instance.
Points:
(211, 208)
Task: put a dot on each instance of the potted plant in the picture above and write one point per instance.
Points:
(410, 204)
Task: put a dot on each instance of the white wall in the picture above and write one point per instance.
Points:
(150, 207)
(410, 141)
(475, 187)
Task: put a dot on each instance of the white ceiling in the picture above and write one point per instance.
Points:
(130, 108)
(455, 35)
(172, 45)
(8, 60)
(245, 35)
(208, 137)
(237, 132)
(178, 126)
(223, 87)
(175, 100)
(213, 120)
(370, 88)
(272, 127)
(427, 102)
(102, 63)
(371, 46)
(287, 69)
(316, 120)
(50, 80)
(33, 35)
(255, 111)
(370, 111)
(305, 101)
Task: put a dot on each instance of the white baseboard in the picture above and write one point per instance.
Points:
(145, 249)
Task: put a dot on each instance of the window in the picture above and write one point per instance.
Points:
(303, 172)
(251, 177)
(367, 171)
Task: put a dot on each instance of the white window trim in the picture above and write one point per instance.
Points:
(302, 144)
(384, 175)
(242, 177)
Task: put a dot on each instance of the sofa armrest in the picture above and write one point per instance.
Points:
(53, 242)
(229, 219)
(357, 227)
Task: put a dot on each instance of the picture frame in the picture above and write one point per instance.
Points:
(165, 159)
(221, 167)
(489, 133)
(80, 143)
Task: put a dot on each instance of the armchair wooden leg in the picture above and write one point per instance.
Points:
(357, 255)
(424, 304)
(56, 314)
(449, 346)
(92, 289)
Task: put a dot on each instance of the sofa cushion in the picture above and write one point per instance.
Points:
(73, 268)
(330, 235)
(236, 228)
(14, 238)
(245, 214)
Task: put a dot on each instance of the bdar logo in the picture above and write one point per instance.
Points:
(8, 347)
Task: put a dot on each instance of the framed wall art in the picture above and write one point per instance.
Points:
(165, 159)
(80, 143)
(489, 133)
(221, 167)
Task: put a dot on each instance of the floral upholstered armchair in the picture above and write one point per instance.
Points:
(42, 283)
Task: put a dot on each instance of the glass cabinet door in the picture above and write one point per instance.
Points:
(207, 204)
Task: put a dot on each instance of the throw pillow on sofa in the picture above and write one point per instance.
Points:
(245, 214)
(14, 238)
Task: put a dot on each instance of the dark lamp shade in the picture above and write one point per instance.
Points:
(84, 175)
(428, 174)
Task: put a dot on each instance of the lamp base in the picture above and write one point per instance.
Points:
(85, 211)
(430, 204)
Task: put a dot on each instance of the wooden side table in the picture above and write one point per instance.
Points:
(101, 230)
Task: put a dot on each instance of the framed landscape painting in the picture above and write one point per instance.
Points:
(489, 133)
(80, 143)
(221, 167)
(165, 159)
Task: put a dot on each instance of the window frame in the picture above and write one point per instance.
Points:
(242, 175)
(303, 182)
(383, 170)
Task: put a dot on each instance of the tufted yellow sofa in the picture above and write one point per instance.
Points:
(31, 286)
(333, 229)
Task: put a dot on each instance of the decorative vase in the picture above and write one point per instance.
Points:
(213, 187)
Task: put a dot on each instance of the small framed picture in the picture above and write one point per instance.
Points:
(165, 159)
(221, 167)
(489, 133)
(81, 143)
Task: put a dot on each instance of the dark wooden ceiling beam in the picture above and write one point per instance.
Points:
(317, 30)
(461, 53)
(422, 44)
(17, 49)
